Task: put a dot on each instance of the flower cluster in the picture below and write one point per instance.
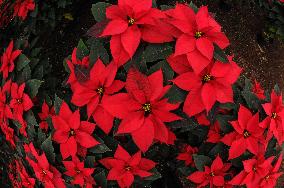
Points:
(11, 9)
(169, 84)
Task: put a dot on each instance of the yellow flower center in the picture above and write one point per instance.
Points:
(207, 78)
(246, 134)
(274, 115)
(72, 133)
(128, 168)
(212, 174)
(19, 101)
(198, 34)
(267, 177)
(254, 169)
(131, 21)
(100, 91)
(43, 172)
(147, 107)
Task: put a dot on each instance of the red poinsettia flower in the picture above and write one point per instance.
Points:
(247, 134)
(8, 132)
(258, 91)
(213, 175)
(8, 58)
(26, 180)
(270, 180)
(124, 167)
(255, 172)
(22, 7)
(101, 85)
(213, 84)
(186, 155)
(44, 172)
(131, 21)
(80, 175)
(5, 110)
(275, 119)
(45, 113)
(198, 34)
(70, 131)
(215, 133)
(78, 69)
(143, 109)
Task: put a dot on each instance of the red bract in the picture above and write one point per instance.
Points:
(131, 21)
(20, 103)
(213, 84)
(22, 7)
(258, 172)
(186, 155)
(100, 86)
(214, 175)
(80, 175)
(45, 173)
(45, 113)
(215, 133)
(143, 109)
(5, 110)
(124, 167)
(275, 119)
(78, 69)
(26, 181)
(247, 134)
(8, 58)
(70, 131)
(258, 91)
(198, 33)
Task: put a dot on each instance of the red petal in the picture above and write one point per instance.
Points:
(235, 150)
(179, 64)
(188, 81)
(218, 180)
(27, 102)
(193, 103)
(74, 120)
(130, 39)
(87, 127)
(114, 12)
(114, 174)
(103, 119)
(145, 131)
(147, 164)
(217, 164)
(119, 54)
(115, 27)
(121, 154)
(185, 44)
(65, 111)
(205, 47)
(244, 115)
(60, 136)
(133, 122)
(156, 84)
(135, 159)
(127, 179)
(197, 177)
(197, 61)
(60, 124)
(202, 18)
(116, 86)
(208, 96)
(85, 139)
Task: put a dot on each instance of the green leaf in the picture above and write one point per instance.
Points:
(168, 72)
(30, 118)
(57, 104)
(193, 6)
(82, 50)
(99, 11)
(33, 86)
(156, 175)
(154, 52)
(22, 62)
(176, 94)
(99, 149)
(24, 75)
(220, 55)
(48, 149)
(98, 51)
(101, 179)
(201, 161)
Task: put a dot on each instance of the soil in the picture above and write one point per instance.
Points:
(243, 23)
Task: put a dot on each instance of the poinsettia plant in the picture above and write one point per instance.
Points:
(150, 96)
